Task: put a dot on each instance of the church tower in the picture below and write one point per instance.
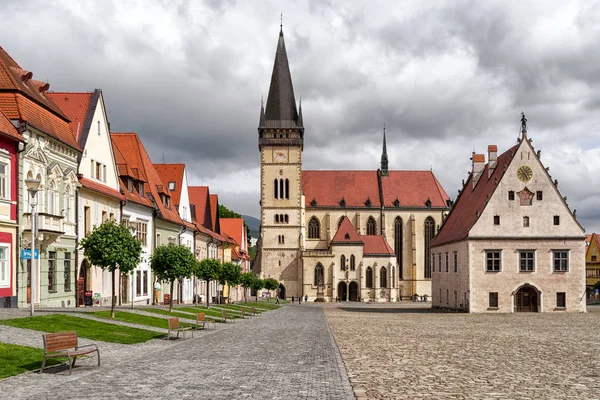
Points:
(280, 141)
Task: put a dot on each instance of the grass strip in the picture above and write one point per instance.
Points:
(85, 328)
(18, 359)
(209, 312)
(138, 319)
(188, 315)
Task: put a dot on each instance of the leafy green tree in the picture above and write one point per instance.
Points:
(271, 284)
(252, 252)
(230, 274)
(208, 270)
(246, 281)
(257, 284)
(111, 246)
(171, 262)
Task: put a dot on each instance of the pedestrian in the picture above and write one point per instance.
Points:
(299, 299)
(292, 299)
(306, 298)
(277, 299)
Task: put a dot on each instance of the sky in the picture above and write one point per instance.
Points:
(447, 78)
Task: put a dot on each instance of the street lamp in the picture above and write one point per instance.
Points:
(33, 185)
(132, 230)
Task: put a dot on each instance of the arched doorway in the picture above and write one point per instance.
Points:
(83, 283)
(281, 291)
(526, 299)
(353, 291)
(342, 291)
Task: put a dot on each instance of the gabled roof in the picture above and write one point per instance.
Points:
(76, 106)
(172, 173)
(233, 227)
(346, 233)
(100, 188)
(199, 198)
(328, 188)
(463, 215)
(591, 238)
(214, 213)
(412, 189)
(376, 245)
(130, 156)
(130, 143)
(8, 129)
(281, 103)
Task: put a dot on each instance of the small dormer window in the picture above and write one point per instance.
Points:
(368, 202)
(343, 202)
(171, 185)
(98, 127)
(130, 184)
(428, 203)
(313, 202)
(140, 188)
(397, 203)
(347, 236)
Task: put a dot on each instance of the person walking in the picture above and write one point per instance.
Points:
(292, 299)
(299, 299)
(277, 299)
(306, 298)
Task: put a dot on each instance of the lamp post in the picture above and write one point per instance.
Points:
(33, 185)
(132, 230)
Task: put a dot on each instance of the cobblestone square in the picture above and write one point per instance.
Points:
(410, 352)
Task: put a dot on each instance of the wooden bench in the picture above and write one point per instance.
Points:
(224, 316)
(202, 320)
(254, 311)
(243, 311)
(65, 344)
(176, 327)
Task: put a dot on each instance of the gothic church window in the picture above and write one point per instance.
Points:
(369, 278)
(275, 189)
(319, 275)
(371, 226)
(398, 244)
(383, 277)
(352, 263)
(287, 188)
(343, 263)
(429, 234)
(281, 189)
(314, 228)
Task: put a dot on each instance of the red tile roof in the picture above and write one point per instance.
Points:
(124, 169)
(463, 215)
(233, 227)
(376, 245)
(199, 197)
(172, 173)
(75, 106)
(328, 188)
(8, 129)
(411, 188)
(130, 145)
(346, 233)
(214, 213)
(100, 188)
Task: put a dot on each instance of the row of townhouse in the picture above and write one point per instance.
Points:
(87, 175)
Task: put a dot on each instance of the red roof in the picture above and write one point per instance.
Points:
(214, 212)
(376, 245)
(125, 170)
(100, 188)
(410, 188)
(463, 215)
(172, 173)
(8, 129)
(130, 145)
(346, 233)
(75, 106)
(234, 228)
(199, 197)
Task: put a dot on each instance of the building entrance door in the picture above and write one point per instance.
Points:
(353, 291)
(342, 291)
(526, 299)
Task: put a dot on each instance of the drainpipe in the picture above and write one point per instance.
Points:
(155, 301)
(21, 146)
(77, 247)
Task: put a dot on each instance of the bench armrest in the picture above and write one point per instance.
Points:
(87, 345)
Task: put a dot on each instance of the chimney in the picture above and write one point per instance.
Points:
(492, 158)
(478, 166)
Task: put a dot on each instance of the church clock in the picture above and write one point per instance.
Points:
(524, 173)
(280, 155)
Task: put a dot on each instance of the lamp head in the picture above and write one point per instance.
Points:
(33, 185)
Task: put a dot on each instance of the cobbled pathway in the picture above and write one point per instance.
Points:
(284, 354)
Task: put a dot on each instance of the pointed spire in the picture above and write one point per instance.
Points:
(281, 103)
(523, 126)
(384, 157)
(261, 121)
(300, 122)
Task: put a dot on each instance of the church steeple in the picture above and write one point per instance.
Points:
(384, 157)
(281, 103)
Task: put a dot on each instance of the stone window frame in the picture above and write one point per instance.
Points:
(5, 270)
(493, 300)
(490, 267)
(527, 256)
(563, 256)
(561, 300)
(314, 228)
(447, 261)
(455, 256)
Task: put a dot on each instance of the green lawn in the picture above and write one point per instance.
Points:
(132, 318)
(209, 312)
(19, 359)
(263, 304)
(85, 328)
(189, 315)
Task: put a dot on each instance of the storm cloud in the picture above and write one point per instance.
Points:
(444, 77)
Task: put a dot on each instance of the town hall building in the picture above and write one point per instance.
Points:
(349, 235)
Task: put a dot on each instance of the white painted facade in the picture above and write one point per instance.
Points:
(186, 238)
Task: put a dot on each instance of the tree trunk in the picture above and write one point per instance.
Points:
(112, 300)
(171, 299)
(207, 293)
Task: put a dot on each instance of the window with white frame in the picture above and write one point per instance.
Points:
(527, 261)
(4, 181)
(51, 198)
(561, 260)
(492, 261)
(4, 266)
(455, 261)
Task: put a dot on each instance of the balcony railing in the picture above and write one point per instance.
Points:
(46, 223)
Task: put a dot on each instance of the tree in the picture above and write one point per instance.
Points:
(252, 252)
(257, 284)
(171, 262)
(271, 284)
(246, 281)
(230, 274)
(208, 270)
(112, 246)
